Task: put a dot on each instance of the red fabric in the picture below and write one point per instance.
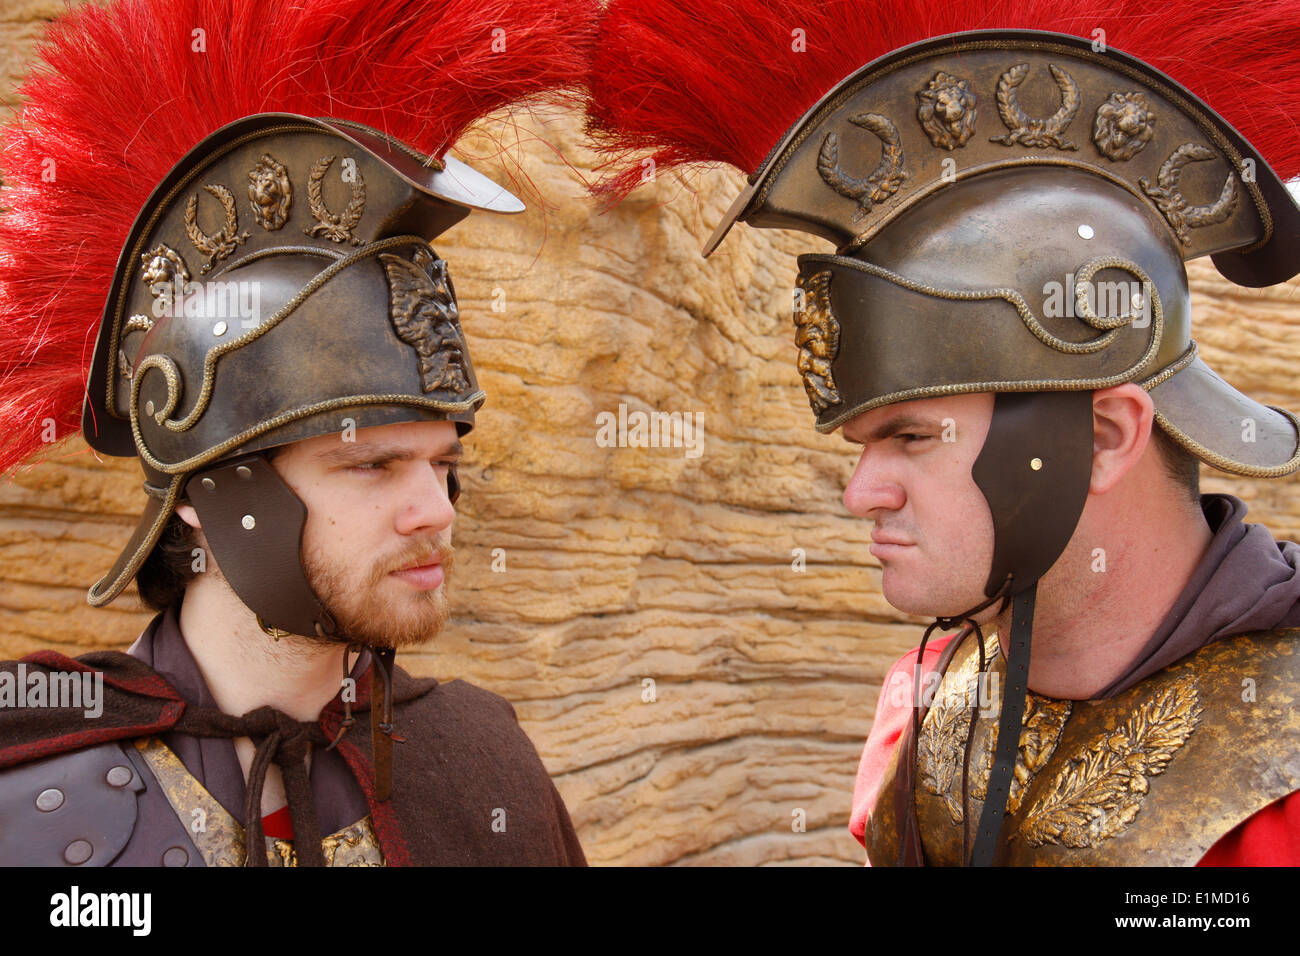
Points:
(278, 825)
(893, 714)
(1269, 838)
(388, 829)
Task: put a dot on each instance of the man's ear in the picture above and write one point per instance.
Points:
(1122, 418)
(189, 515)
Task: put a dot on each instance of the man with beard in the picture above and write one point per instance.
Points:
(290, 371)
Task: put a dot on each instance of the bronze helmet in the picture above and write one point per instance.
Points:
(277, 285)
(1130, 176)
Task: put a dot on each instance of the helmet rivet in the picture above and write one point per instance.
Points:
(243, 471)
(209, 484)
(219, 328)
(119, 776)
(248, 522)
(1036, 463)
(1085, 231)
(78, 852)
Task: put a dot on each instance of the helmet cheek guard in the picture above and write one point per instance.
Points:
(254, 523)
(1034, 470)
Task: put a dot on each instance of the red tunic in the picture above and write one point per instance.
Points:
(1270, 837)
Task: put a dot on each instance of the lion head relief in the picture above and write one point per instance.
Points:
(1123, 125)
(269, 192)
(946, 109)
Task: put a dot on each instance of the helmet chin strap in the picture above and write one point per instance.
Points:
(1034, 470)
(1009, 721)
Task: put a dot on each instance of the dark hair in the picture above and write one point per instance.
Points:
(1182, 467)
(164, 575)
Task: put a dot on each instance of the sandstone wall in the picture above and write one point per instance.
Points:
(628, 565)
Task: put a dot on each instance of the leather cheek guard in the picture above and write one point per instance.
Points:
(1034, 470)
(254, 522)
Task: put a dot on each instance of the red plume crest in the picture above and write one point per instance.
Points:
(722, 80)
(121, 92)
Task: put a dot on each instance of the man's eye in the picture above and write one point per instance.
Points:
(369, 466)
(909, 438)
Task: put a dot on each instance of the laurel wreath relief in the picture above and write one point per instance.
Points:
(337, 227)
(883, 181)
(222, 242)
(942, 744)
(939, 753)
(1181, 214)
(1023, 129)
(1099, 791)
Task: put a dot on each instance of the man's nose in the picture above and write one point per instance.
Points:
(427, 505)
(872, 488)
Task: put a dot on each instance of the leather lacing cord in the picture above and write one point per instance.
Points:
(919, 707)
(384, 657)
(383, 734)
(282, 740)
(348, 719)
(382, 737)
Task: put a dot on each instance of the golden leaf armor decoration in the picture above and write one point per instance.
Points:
(1099, 791)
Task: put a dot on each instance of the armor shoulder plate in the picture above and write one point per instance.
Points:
(75, 809)
(1153, 776)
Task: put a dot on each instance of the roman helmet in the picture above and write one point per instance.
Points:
(244, 196)
(307, 303)
(1011, 208)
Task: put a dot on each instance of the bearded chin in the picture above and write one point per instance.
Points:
(368, 613)
(422, 621)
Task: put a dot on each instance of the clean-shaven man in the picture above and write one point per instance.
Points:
(1004, 325)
